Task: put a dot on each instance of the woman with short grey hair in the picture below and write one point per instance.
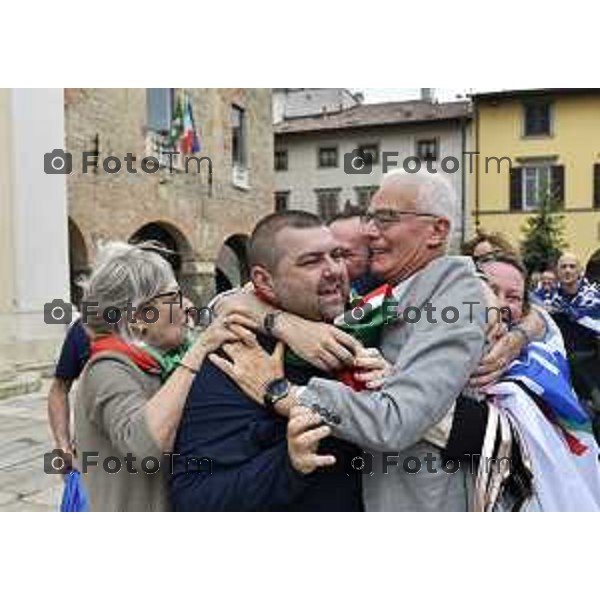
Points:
(134, 387)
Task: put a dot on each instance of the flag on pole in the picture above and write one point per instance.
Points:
(190, 144)
(176, 123)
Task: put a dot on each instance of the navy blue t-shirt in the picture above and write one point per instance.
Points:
(74, 354)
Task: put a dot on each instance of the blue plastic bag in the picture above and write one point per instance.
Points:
(74, 496)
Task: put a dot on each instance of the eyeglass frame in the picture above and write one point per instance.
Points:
(176, 292)
(395, 217)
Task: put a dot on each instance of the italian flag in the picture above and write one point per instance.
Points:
(365, 320)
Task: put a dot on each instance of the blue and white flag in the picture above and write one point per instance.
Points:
(537, 396)
(583, 308)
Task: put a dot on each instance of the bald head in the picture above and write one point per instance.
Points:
(568, 270)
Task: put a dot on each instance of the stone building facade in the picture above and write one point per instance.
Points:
(205, 217)
(311, 153)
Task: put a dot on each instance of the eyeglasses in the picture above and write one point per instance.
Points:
(385, 218)
(175, 297)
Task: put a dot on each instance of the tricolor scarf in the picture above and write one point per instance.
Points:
(583, 308)
(147, 358)
(364, 321)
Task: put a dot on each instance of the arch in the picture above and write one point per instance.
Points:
(170, 237)
(592, 271)
(232, 263)
(78, 260)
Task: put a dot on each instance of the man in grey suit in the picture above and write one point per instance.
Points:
(433, 347)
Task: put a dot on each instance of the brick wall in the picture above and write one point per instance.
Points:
(200, 217)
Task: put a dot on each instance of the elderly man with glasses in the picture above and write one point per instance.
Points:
(433, 354)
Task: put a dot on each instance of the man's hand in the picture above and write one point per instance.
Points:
(304, 433)
(70, 457)
(372, 368)
(250, 366)
(323, 346)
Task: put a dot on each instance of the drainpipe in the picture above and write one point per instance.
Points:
(476, 117)
(463, 186)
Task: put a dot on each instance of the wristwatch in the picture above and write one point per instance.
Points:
(269, 322)
(276, 390)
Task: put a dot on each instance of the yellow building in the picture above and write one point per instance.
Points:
(535, 141)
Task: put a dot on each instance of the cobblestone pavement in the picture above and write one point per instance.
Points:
(24, 438)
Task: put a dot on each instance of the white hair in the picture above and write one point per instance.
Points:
(124, 273)
(435, 193)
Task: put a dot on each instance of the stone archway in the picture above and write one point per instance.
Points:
(232, 263)
(592, 271)
(78, 261)
(180, 254)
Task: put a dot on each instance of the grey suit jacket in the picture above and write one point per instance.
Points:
(432, 363)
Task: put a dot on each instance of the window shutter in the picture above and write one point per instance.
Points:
(158, 109)
(597, 186)
(516, 188)
(558, 186)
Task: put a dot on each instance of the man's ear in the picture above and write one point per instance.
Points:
(441, 233)
(263, 282)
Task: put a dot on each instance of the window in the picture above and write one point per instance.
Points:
(238, 136)
(597, 186)
(370, 153)
(538, 118)
(328, 200)
(427, 150)
(536, 184)
(364, 194)
(281, 160)
(159, 109)
(328, 157)
(282, 201)
(531, 184)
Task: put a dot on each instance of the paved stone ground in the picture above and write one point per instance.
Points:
(24, 438)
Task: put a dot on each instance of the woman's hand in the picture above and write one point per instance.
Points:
(372, 368)
(251, 367)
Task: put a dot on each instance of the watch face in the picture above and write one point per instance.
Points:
(278, 387)
(276, 390)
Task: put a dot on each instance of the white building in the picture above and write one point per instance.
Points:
(313, 155)
(33, 234)
(291, 103)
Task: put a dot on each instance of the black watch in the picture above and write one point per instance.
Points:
(269, 322)
(276, 390)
